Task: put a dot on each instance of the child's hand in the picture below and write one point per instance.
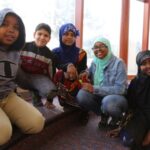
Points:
(88, 87)
(84, 76)
(49, 105)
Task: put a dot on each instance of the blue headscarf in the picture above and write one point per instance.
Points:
(67, 54)
(101, 63)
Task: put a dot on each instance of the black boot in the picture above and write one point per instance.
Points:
(103, 122)
(84, 117)
(36, 99)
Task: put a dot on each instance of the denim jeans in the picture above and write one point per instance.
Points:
(112, 105)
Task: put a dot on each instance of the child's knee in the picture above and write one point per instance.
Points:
(5, 133)
(38, 124)
(81, 97)
(35, 126)
(111, 107)
(107, 106)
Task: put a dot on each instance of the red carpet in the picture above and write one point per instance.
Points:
(87, 137)
(74, 137)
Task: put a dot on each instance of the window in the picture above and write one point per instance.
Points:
(101, 18)
(53, 12)
(135, 34)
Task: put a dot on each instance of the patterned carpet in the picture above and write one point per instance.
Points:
(69, 134)
(74, 137)
(87, 137)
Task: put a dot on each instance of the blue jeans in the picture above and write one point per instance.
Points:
(111, 105)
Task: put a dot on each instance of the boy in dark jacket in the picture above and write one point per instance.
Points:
(37, 66)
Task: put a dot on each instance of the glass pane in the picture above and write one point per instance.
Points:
(135, 34)
(101, 18)
(33, 12)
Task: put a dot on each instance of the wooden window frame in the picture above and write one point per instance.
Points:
(124, 32)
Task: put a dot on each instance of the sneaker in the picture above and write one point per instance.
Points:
(37, 103)
(36, 100)
(103, 122)
(114, 123)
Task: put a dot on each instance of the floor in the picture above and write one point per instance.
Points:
(74, 137)
(67, 133)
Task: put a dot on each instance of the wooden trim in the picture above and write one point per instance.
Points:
(145, 1)
(124, 32)
(130, 77)
(79, 10)
(145, 39)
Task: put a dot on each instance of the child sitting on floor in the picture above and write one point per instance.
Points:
(135, 133)
(70, 80)
(37, 66)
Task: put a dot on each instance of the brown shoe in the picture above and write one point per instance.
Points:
(49, 105)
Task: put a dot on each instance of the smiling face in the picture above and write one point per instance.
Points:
(42, 37)
(145, 66)
(68, 38)
(9, 30)
(100, 50)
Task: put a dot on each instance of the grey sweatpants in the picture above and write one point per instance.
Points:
(35, 82)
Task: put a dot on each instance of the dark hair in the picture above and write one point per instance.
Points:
(43, 26)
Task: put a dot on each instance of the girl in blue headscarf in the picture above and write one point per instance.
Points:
(105, 96)
(68, 52)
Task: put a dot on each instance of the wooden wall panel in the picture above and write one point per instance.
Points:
(146, 24)
(124, 32)
(79, 10)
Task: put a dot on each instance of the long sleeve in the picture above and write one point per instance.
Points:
(115, 80)
(82, 62)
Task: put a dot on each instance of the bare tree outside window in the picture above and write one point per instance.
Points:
(101, 18)
(53, 12)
